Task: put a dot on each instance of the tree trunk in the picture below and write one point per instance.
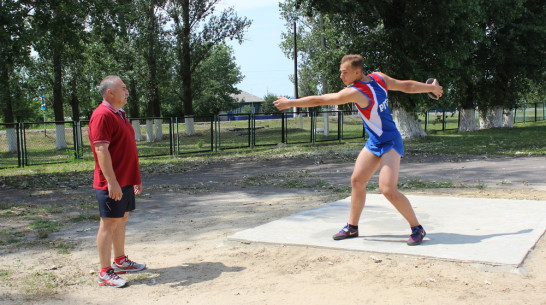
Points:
(508, 118)
(185, 69)
(154, 107)
(326, 127)
(407, 123)
(136, 128)
(11, 134)
(5, 93)
(158, 129)
(132, 100)
(149, 130)
(60, 137)
(491, 118)
(5, 97)
(190, 125)
(74, 101)
(468, 120)
(58, 98)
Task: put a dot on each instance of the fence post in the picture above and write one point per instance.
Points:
(312, 127)
(283, 139)
(458, 119)
(536, 112)
(444, 120)
(426, 120)
(177, 136)
(252, 130)
(75, 138)
(216, 133)
(339, 126)
(515, 114)
(24, 146)
(17, 131)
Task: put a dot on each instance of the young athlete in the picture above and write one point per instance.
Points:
(384, 147)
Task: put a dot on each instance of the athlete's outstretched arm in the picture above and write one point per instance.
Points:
(411, 86)
(344, 96)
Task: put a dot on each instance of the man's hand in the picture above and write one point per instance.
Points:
(281, 103)
(138, 189)
(114, 191)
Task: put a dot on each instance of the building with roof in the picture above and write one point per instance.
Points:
(246, 99)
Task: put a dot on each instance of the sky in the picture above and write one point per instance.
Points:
(265, 67)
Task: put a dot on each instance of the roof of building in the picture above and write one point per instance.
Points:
(245, 97)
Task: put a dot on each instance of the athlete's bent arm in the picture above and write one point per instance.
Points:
(411, 86)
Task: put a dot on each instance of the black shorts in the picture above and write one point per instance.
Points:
(116, 209)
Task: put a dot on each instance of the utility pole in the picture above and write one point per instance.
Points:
(296, 95)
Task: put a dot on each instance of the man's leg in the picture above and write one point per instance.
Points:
(118, 238)
(365, 166)
(388, 184)
(105, 235)
(122, 263)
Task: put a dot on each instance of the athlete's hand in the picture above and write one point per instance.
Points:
(438, 90)
(281, 103)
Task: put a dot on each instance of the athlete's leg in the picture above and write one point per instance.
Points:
(365, 166)
(388, 184)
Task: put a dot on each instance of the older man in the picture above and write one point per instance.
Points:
(116, 179)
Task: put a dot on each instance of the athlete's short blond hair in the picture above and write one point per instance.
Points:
(355, 60)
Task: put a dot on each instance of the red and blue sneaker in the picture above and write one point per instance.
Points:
(417, 235)
(346, 232)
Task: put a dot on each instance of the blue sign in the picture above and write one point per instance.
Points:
(43, 107)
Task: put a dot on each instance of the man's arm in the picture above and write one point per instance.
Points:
(344, 96)
(411, 86)
(105, 164)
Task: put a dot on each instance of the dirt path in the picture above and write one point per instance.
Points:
(182, 221)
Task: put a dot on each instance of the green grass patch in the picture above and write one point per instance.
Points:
(41, 283)
(81, 218)
(45, 225)
(522, 139)
(419, 184)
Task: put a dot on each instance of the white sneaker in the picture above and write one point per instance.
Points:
(128, 266)
(111, 279)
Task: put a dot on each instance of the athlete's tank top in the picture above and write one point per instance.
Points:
(377, 118)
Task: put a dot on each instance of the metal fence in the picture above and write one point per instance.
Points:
(25, 144)
(441, 120)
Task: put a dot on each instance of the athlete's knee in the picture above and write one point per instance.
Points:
(358, 183)
(390, 191)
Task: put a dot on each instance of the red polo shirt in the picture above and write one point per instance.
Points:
(110, 126)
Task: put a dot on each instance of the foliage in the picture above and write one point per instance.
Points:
(481, 51)
(197, 30)
(213, 82)
(267, 105)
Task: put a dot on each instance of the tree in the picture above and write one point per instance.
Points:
(511, 53)
(214, 82)
(197, 30)
(60, 25)
(14, 52)
(407, 40)
(267, 105)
